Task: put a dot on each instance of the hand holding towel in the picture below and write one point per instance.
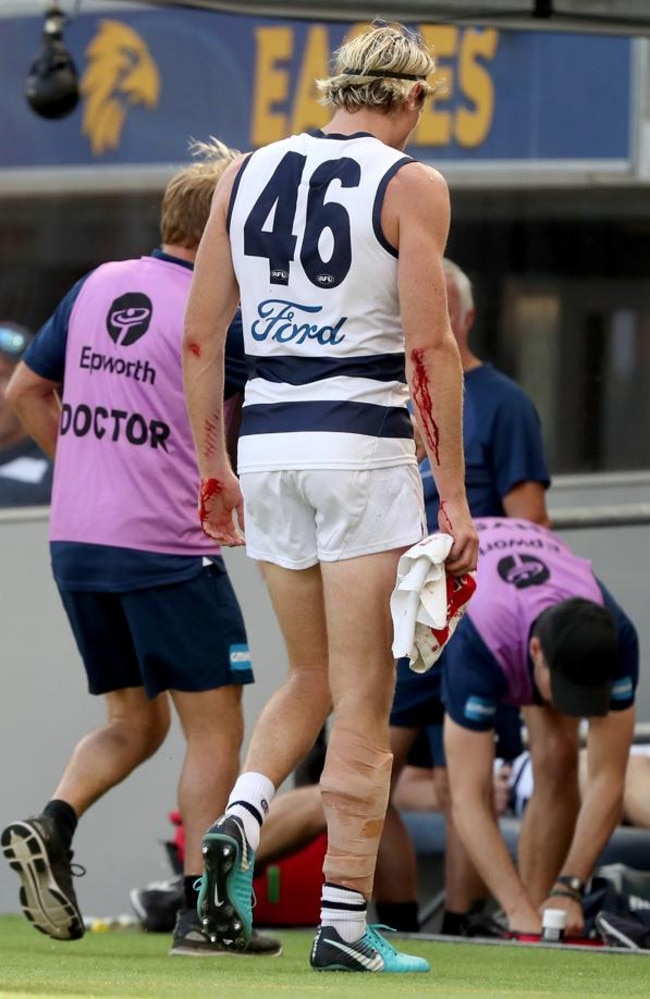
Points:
(426, 603)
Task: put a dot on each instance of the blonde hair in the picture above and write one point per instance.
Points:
(463, 285)
(188, 195)
(357, 81)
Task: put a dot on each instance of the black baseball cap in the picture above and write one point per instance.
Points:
(578, 639)
(14, 340)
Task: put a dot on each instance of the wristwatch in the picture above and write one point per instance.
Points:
(574, 884)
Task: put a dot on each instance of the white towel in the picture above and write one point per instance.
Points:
(426, 604)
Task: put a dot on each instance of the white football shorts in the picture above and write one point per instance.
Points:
(299, 518)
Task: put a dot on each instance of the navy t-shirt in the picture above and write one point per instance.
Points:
(502, 444)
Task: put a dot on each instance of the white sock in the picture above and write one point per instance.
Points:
(257, 792)
(345, 909)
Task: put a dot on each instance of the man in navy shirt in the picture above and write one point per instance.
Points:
(541, 633)
(505, 475)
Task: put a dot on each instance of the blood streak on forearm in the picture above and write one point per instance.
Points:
(194, 348)
(444, 513)
(422, 399)
(211, 428)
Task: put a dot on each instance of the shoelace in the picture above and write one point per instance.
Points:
(76, 870)
(377, 927)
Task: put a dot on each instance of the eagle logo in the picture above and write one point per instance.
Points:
(120, 74)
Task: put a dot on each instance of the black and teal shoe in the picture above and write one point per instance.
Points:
(225, 905)
(371, 953)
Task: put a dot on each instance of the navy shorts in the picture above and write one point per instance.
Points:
(428, 750)
(418, 704)
(418, 697)
(186, 636)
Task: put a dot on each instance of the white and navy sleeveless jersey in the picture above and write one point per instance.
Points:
(322, 330)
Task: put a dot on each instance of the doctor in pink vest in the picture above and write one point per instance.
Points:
(147, 593)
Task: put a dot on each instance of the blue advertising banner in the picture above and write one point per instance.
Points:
(153, 80)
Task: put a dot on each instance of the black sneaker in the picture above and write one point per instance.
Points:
(43, 864)
(226, 887)
(158, 904)
(620, 931)
(190, 941)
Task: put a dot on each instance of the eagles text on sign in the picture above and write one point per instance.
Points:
(153, 80)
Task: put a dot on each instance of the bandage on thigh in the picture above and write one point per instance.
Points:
(355, 786)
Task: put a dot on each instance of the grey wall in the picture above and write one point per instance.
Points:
(44, 707)
(618, 554)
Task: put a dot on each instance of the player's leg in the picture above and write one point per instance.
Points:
(39, 848)
(190, 638)
(359, 565)
(137, 718)
(291, 720)
(135, 728)
(300, 706)
(284, 732)
(355, 783)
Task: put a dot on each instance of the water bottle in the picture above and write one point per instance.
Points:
(553, 925)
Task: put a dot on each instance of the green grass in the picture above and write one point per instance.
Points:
(120, 965)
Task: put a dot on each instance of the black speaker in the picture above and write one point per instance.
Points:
(52, 89)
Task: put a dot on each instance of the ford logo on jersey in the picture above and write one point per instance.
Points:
(284, 321)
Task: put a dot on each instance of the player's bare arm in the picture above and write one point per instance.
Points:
(416, 217)
(211, 306)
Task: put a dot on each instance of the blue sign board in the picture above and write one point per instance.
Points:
(153, 80)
